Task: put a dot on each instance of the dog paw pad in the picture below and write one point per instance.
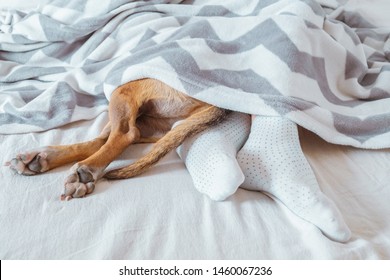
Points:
(79, 183)
(29, 163)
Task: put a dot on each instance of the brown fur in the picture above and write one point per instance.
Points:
(139, 111)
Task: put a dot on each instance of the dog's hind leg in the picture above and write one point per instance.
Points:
(45, 158)
(123, 112)
(206, 116)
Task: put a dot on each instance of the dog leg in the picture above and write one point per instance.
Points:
(206, 116)
(123, 111)
(45, 158)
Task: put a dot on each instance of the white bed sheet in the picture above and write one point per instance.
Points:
(160, 215)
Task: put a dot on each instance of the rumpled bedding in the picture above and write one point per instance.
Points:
(160, 215)
(322, 64)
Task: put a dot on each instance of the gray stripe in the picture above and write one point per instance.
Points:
(362, 130)
(28, 73)
(62, 105)
(354, 20)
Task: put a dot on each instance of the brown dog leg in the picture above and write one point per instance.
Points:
(204, 117)
(123, 112)
(45, 158)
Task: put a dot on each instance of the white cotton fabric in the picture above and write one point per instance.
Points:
(273, 162)
(210, 156)
(160, 215)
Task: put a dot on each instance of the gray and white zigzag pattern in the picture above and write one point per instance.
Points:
(319, 63)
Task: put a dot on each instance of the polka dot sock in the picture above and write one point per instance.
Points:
(273, 162)
(210, 157)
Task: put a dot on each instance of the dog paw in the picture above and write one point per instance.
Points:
(29, 163)
(79, 183)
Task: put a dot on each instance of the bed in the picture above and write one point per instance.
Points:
(161, 214)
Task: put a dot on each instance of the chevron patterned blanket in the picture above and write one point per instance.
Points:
(323, 64)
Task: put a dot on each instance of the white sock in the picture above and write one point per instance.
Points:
(210, 156)
(273, 162)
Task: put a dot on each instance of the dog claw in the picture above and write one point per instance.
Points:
(66, 198)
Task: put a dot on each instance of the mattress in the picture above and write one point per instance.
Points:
(160, 215)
